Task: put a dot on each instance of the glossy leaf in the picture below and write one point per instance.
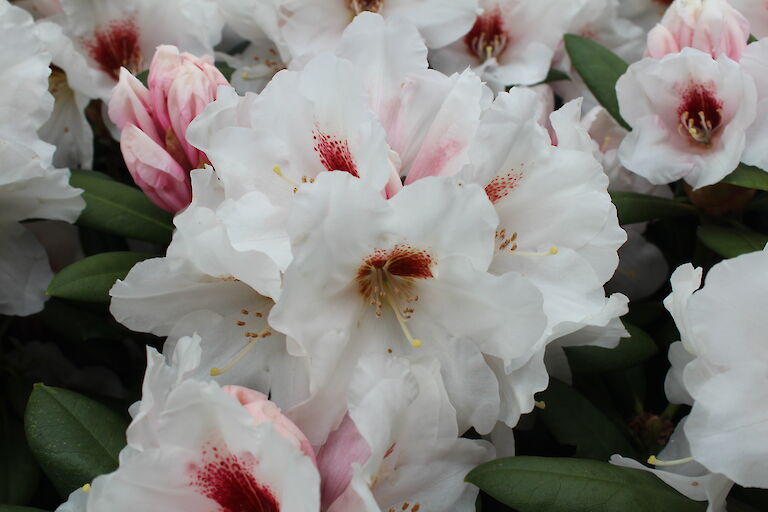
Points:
(118, 209)
(748, 176)
(91, 278)
(630, 352)
(573, 420)
(600, 68)
(633, 207)
(73, 438)
(730, 242)
(542, 484)
(19, 473)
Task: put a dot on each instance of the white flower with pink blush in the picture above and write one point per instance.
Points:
(712, 26)
(689, 115)
(196, 446)
(313, 26)
(511, 42)
(153, 123)
(756, 11)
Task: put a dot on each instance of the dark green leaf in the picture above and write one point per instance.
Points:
(751, 39)
(630, 352)
(91, 278)
(538, 484)
(78, 324)
(731, 242)
(633, 207)
(16, 508)
(554, 75)
(573, 420)
(748, 176)
(92, 174)
(225, 69)
(116, 208)
(143, 77)
(600, 68)
(74, 438)
(19, 473)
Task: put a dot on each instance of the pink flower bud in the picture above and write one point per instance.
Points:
(712, 26)
(180, 87)
(263, 410)
(345, 446)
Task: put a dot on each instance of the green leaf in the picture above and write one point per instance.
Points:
(75, 439)
(91, 278)
(78, 324)
(143, 77)
(748, 176)
(16, 508)
(538, 484)
(633, 207)
(225, 69)
(574, 421)
(600, 68)
(19, 473)
(731, 242)
(630, 352)
(116, 208)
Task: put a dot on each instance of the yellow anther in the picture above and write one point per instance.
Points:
(416, 342)
(553, 250)
(540, 404)
(277, 170)
(251, 343)
(86, 488)
(656, 462)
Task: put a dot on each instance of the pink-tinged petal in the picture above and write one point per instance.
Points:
(155, 171)
(394, 185)
(130, 105)
(345, 446)
(661, 42)
(162, 72)
(262, 410)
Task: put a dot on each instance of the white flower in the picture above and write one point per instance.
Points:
(722, 330)
(756, 11)
(406, 277)
(192, 445)
(30, 188)
(754, 62)
(557, 225)
(314, 26)
(688, 478)
(398, 447)
(689, 115)
(512, 41)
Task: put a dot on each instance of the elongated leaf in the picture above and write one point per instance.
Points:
(116, 208)
(19, 473)
(91, 278)
(731, 242)
(600, 68)
(73, 438)
(748, 176)
(630, 352)
(573, 420)
(633, 207)
(540, 484)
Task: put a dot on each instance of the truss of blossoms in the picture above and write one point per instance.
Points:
(383, 255)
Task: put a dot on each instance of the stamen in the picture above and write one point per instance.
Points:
(540, 404)
(86, 488)
(656, 462)
(415, 342)
(251, 343)
(276, 169)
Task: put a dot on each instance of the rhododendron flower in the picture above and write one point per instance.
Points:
(720, 364)
(409, 278)
(511, 42)
(30, 187)
(712, 26)
(198, 447)
(754, 62)
(398, 446)
(313, 26)
(153, 123)
(689, 114)
(756, 11)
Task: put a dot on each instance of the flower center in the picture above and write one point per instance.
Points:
(116, 46)
(334, 153)
(228, 480)
(359, 6)
(700, 114)
(255, 328)
(487, 39)
(388, 278)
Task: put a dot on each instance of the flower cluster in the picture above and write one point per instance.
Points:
(373, 237)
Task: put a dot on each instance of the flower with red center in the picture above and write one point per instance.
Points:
(198, 448)
(402, 277)
(690, 115)
(487, 39)
(358, 6)
(115, 46)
